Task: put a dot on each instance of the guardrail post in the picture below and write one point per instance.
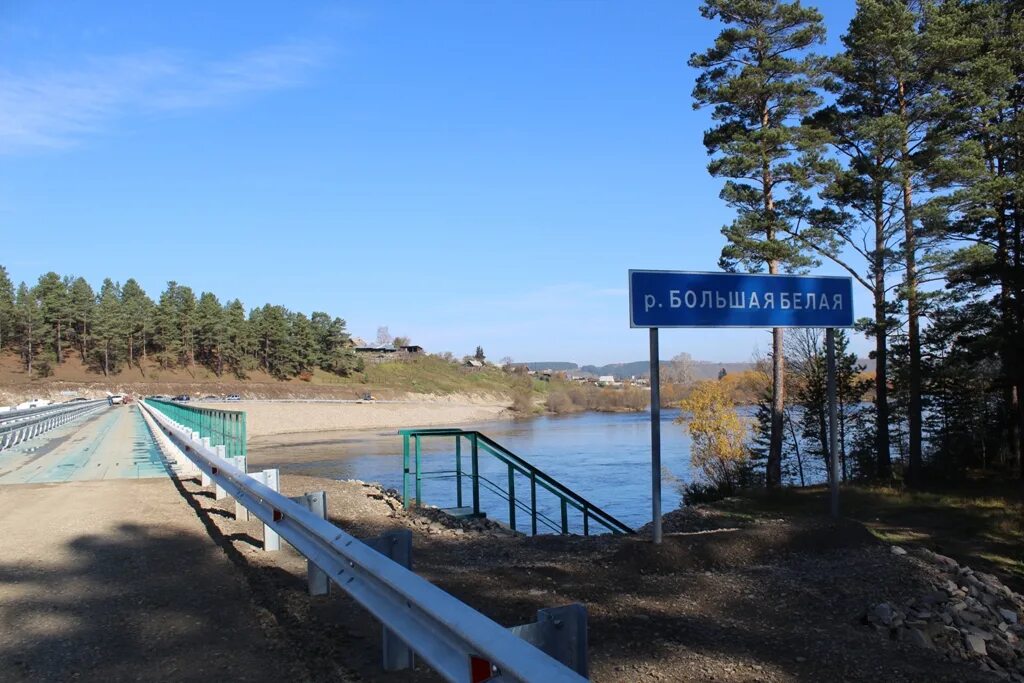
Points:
(560, 632)
(220, 493)
(204, 478)
(241, 512)
(396, 546)
(272, 480)
(316, 579)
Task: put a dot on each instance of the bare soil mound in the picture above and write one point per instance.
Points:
(726, 548)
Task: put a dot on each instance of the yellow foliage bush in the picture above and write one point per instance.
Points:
(719, 451)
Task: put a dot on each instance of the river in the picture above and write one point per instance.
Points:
(604, 457)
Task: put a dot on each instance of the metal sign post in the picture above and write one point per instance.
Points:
(660, 298)
(655, 438)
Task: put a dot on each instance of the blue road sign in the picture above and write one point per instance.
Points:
(661, 298)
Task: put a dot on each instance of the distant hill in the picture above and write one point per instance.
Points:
(620, 370)
(702, 369)
(550, 365)
(642, 368)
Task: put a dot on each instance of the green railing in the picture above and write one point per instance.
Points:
(413, 475)
(224, 427)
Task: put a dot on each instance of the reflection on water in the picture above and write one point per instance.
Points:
(605, 457)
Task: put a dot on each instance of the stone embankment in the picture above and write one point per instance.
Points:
(969, 616)
(433, 520)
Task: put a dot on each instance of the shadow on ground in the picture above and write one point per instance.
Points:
(137, 604)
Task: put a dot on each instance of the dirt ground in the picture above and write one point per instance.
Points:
(117, 580)
(722, 600)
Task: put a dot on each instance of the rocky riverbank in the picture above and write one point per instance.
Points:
(967, 616)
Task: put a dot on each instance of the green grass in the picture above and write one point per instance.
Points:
(432, 375)
(983, 528)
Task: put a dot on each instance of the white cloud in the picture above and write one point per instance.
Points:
(57, 108)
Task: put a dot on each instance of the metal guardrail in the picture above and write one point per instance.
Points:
(19, 426)
(536, 478)
(452, 638)
(223, 427)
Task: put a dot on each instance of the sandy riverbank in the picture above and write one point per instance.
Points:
(268, 418)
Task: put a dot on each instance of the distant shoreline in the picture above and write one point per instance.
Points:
(272, 418)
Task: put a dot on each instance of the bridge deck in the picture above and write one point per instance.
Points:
(112, 444)
(107, 574)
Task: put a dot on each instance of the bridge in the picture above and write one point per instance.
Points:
(112, 570)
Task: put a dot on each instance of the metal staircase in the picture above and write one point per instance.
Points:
(560, 508)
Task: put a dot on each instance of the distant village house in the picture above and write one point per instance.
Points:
(384, 354)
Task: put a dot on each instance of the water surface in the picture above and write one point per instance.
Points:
(605, 457)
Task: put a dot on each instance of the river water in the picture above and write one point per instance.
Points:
(604, 457)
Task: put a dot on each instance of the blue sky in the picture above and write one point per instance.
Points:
(463, 172)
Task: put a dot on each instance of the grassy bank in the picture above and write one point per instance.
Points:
(426, 375)
(980, 526)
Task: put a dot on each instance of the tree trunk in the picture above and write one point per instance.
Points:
(30, 350)
(796, 450)
(1008, 351)
(774, 465)
(1017, 290)
(85, 341)
(842, 437)
(883, 462)
(823, 438)
(60, 355)
(106, 359)
(773, 468)
(913, 310)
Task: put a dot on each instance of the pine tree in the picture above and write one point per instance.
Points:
(185, 301)
(55, 304)
(238, 343)
(270, 329)
(27, 322)
(7, 315)
(760, 81)
(981, 161)
(166, 335)
(109, 328)
(176, 326)
(303, 350)
(83, 301)
(334, 345)
(860, 228)
(211, 333)
(138, 314)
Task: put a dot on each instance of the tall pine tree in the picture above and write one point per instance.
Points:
(759, 79)
(7, 316)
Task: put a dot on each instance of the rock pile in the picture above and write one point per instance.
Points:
(968, 615)
(432, 520)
